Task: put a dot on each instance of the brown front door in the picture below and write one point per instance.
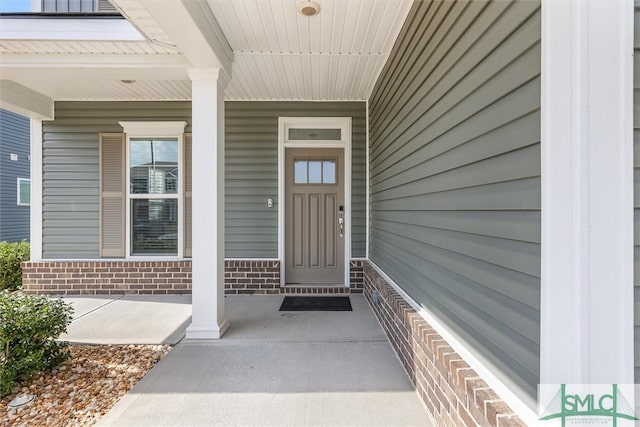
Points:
(314, 217)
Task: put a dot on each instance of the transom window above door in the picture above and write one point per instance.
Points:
(318, 134)
(314, 171)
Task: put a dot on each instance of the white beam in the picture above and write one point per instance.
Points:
(68, 29)
(190, 24)
(207, 23)
(35, 219)
(587, 193)
(91, 61)
(207, 276)
(22, 100)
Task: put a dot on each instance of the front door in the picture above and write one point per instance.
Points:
(314, 217)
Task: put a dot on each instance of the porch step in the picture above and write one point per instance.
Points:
(317, 290)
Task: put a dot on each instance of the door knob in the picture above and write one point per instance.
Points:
(341, 223)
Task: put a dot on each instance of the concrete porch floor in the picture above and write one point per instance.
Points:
(128, 319)
(278, 369)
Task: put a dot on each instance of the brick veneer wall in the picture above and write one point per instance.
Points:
(106, 277)
(452, 391)
(356, 284)
(251, 277)
(163, 277)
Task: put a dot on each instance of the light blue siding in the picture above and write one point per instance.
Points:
(14, 139)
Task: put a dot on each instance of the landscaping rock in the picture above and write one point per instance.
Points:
(83, 388)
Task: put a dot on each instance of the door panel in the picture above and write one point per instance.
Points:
(314, 231)
(314, 192)
(298, 229)
(331, 223)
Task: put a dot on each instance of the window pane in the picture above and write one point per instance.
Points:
(328, 172)
(15, 6)
(24, 192)
(154, 166)
(315, 172)
(300, 171)
(315, 134)
(154, 226)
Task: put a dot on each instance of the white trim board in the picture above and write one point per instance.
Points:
(69, 29)
(35, 210)
(586, 299)
(154, 129)
(368, 183)
(285, 123)
(363, 100)
(521, 409)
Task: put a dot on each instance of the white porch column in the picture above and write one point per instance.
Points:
(208, 316)
(587, 192)
(35, 209)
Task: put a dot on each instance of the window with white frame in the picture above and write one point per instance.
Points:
(154, 196)
(24, 192)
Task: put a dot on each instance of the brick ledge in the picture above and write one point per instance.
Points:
(452, 391)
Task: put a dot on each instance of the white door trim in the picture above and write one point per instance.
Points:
(285, 123)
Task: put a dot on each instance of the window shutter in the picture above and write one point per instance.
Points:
(112, 195)
(187, 194)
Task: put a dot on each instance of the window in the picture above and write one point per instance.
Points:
(56, 6)
(154, 196)
(15, 6)
(24, 192)
(319, 134)
(314, 171)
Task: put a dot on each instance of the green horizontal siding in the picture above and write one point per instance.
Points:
(251, 130)
(70, 192)
(70, 170)
(636, 183)
(455, 176)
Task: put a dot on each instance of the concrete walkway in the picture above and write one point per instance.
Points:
(128, 319)
(278, 369)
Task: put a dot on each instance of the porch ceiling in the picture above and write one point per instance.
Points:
(278, 54)
(281, 54)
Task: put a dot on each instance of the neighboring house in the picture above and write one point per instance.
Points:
(15, 180)
(468, 166)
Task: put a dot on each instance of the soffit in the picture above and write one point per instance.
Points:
(84, 47)
(110, 90)
(280, 54)
(138, 16)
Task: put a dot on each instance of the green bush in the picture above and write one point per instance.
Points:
(29, 326)
(11, 255)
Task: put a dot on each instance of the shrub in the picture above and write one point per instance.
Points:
(29, 326)
(11, 255)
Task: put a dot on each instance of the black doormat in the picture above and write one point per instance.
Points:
(316, 304)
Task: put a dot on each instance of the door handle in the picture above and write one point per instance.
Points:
(341, 223)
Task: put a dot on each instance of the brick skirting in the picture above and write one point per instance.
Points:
(251, 277)
(106, 277)
(257, 277)
(452, 391)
